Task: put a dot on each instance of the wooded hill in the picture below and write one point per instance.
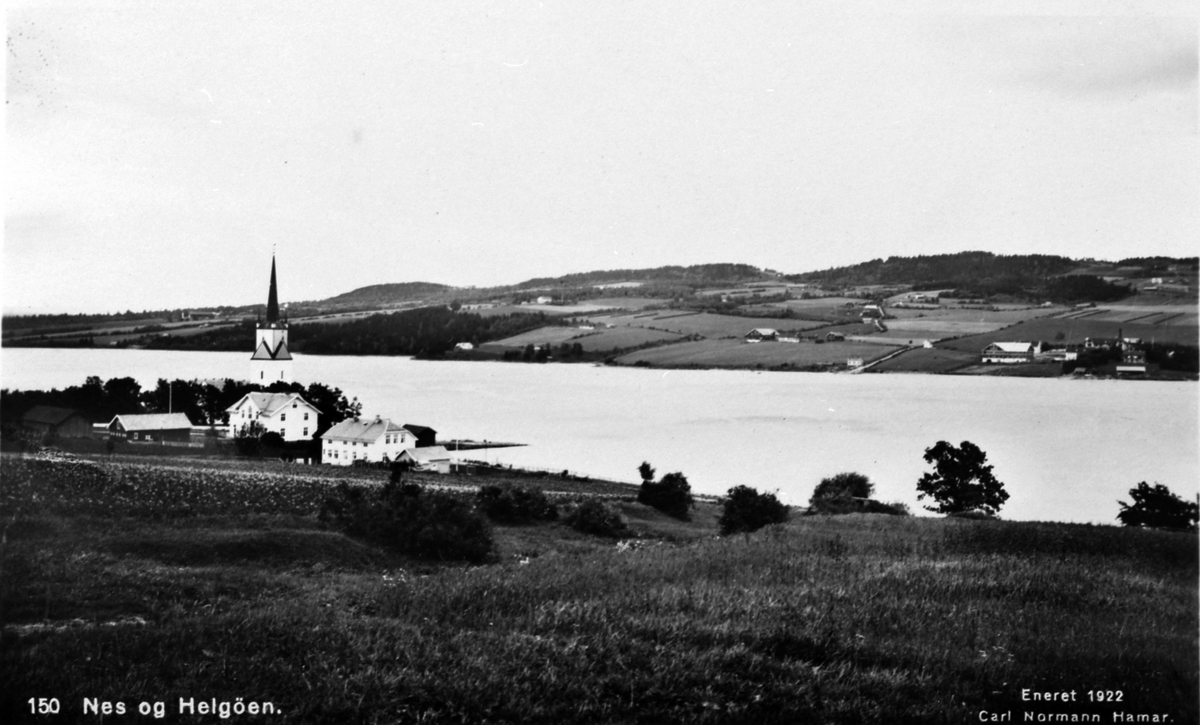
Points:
(696, 274)
(983, 274)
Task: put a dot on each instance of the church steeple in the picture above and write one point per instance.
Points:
(271, 362)
(272, 297)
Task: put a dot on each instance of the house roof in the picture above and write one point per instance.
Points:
(270, 403)
(153, 421)
(1010, 346)
(366, 430)
(419, 430)
(764, 331)
(49, 414)
(426, 454)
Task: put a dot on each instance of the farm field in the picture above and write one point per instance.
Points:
(735, 353)
(627, 303)
(541, 336)
(622, 338)
(707, 324)
(859, 618)
(937, 328)
(926, 360)
(1075, 331)
(958, 314)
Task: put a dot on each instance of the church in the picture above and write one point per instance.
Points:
(271, 361)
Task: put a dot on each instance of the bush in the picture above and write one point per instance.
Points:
(597, 518)
(407, 519)
(672, 495)
(516, 505)
(271, 439)
(1157, 507)
(842, 486)
(748, 510)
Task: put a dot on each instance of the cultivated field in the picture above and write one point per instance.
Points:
(1075, 331)
(851, 619)
(706, 324)
(622, 338)
(542, 336)
(735, 353)
(926, 360)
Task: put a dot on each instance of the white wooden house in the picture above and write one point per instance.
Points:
(287, 414)
(365, 439)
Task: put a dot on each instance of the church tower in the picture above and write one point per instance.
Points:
(271, 361)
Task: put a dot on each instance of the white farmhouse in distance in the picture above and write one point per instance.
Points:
(365, 439)
(287, 414)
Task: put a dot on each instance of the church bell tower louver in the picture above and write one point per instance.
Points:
(271, 361)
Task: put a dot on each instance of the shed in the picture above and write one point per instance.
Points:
(430, 458)
(160, 427)
(59, 422)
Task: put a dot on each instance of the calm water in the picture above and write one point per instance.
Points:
(1066, 450)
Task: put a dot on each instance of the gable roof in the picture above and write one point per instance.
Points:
(363, 430)
(153, 421)
(426, 454)
(1010, 346)
(49, 414)
(419, 430)
(270, 403)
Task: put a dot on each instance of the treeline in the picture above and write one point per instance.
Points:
(696, 274)
(949, 270)
(204, 403)
(978, 274)
(426, 331)
(1069, 289)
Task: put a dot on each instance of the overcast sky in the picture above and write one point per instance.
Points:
(156, 152)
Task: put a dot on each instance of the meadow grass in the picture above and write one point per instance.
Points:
(860, 618)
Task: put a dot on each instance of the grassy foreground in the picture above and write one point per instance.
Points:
(824, 619)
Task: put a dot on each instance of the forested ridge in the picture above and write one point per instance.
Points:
(420, 331)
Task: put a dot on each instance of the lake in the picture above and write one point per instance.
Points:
(1066, 450)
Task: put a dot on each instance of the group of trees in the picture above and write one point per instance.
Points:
(962, 483)
(204, 403)
(420, 331)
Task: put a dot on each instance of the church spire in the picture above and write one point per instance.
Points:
(272, 297)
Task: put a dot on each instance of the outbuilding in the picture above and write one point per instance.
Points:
(152, 428)
(48, 420)
(1007, 353)
(433, 459)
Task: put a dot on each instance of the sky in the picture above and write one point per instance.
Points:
(157, 153)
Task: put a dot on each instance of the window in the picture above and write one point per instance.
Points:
(305, 431)
(293, 404)
(283, 416)
(306, 416)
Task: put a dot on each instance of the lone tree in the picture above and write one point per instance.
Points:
(1156, 506)
(672, 494)
(748, 510)
(961, 480)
